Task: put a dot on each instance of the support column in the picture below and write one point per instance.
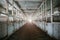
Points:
(52, 18)
(51, 11)
(8, 16)
(13, 14)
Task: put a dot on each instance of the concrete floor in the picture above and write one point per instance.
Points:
(29, 32)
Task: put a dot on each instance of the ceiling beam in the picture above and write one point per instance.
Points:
(38, 8)
(28, 0)
(20, 7)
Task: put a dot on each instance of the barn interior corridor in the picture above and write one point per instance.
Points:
(29, 31)
(29, 19)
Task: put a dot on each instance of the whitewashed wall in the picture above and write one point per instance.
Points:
(41, 25)
(9, 28)
(12, 28)
(49, 29)
(3, 30)
(53, 29)
(56, 30)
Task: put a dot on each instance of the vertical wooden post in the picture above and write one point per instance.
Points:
(52, 17)
(12, 7)
(51, 11)
(45, 12)
(13, 14)
(8, 16)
